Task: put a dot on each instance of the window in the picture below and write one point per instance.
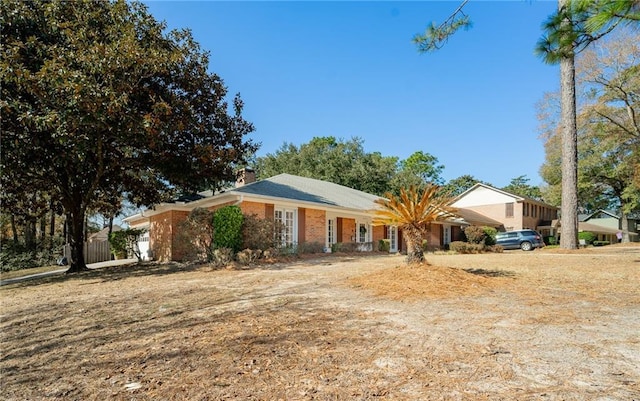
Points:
(508, 212)
(285, 218)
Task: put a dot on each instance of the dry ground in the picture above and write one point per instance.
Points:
(540, 325)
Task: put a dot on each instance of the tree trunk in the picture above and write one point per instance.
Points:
(52, 227)
(14, 230)
(624, 226)
(569, 132)
(43, 231)
(413, 238)
(76, 220)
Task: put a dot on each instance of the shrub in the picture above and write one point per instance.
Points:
(125, 242)
(310, 247)
(489, 235)
(227, 228)
(118, 243)
(194, 240)
(550, 240)
(474, 234)
(600, 243)
(222, 257)
(494, 248)
(465, 247)
(587, 236)
(344, 247)
(384, 245)
(248, 256)
(258, 233)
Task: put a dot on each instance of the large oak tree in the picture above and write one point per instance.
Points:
(100, 101)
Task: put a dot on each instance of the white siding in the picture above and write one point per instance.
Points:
(483, 196)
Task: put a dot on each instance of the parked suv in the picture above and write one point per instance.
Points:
(527, 240)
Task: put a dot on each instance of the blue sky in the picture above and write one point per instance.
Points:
(349, 69)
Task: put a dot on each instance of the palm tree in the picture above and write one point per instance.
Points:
(413, 212)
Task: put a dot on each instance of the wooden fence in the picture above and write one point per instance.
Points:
(94, 252)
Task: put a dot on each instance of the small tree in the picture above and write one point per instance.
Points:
(259, 233)
(125, 242)
(412, 212)
(195, 235)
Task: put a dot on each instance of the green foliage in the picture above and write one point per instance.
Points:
(329, 159)
(103, 101)
(587, 236)
(489, 235)
(384, 245)
(227, 224)
(458, 185)
(551, 240)
(17, 258)
(520, 186)
(578, 23)
(425, 166)
(125, 242)
(118, 243)
(434, 37)
(600, 243)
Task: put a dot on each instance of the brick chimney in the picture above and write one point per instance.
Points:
(245, 176)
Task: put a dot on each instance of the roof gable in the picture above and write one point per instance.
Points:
(482, 194)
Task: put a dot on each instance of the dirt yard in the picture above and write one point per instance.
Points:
(539, 325)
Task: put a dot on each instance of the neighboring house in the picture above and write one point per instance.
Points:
(606, 224)
(310, 210)
(102, 235)
(508, 211)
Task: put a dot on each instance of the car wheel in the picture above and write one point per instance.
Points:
(526, 246)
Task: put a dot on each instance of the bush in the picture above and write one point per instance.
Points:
(587, 236)
(248, 256)
(310, 247)
(118, 244)
(227, 228)
(125, 242)
(194, 240)
(222, 257)
(384, 245)
(600, 243)
(489, 235)
(474, 234)
(344, 247)
(494, 248)
(258, 233)
(465, 247)
(550, 240)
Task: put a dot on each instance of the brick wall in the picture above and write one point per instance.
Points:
(162, 235)
(259, 209)
(315, 227)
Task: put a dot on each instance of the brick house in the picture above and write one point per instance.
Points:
(511, 211)
(311, 211)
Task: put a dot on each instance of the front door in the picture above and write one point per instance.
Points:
(393, 239)
(446, 234)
